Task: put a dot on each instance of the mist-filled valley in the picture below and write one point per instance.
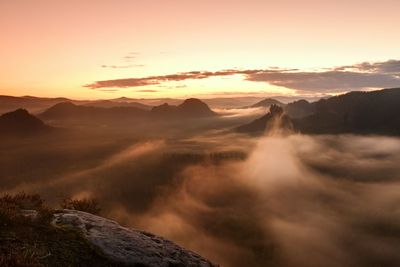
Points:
(282, 197)
(200, 133)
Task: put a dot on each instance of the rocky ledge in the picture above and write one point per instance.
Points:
(125, 246)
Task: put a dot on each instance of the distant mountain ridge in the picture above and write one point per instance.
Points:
(31, 103)
(70, 111)
(267, 103)
(114, 104)
(375, 112)
(36, 105)
(190, 108)
(20, 122)
(300, 108)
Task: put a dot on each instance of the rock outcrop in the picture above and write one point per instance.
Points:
(274, 120)
(125, 246)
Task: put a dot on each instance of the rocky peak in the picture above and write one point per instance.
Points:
(276, 110)
(194, 106)
(21, 122)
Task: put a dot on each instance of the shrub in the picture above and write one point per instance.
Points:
(23, 201)
(12, 206)
(9, 213)
(17, 258)
(86, 205)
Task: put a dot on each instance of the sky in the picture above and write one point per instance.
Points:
(208, 48)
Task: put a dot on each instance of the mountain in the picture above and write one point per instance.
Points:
(67, 111)
(164, 109)
(149, 101)
(231, 102)
(216, 102)
(267, 103)
(70, 111)
(274, 119)
(30, 103)
(20, 122)
(296, 109)
(299, 108)
(190, 108)
(113, 104)
(196, 108)
(375, 112)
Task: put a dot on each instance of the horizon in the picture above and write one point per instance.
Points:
(289, 98)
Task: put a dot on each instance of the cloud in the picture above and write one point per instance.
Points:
(147, 91)
(108, 90)
(360, 76)
(129, 58)
(122, 66)
(390, 66)
(295, 201)
(285, 206)
(328, 81)
(116, 66)
(352, 77)
(153, 80)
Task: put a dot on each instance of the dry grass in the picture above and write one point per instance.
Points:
(12, 207)
(32, 241)
(86, 205)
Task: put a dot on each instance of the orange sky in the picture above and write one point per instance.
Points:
(54, 47)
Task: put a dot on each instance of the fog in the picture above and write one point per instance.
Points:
(241, 112)
(285, 207)
(277, 200)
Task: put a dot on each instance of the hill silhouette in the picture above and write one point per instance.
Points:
(67, 111)
(195, 107)
(375, 112)
(33, 104)
(113, 104)
(300, 108)
(20, 122)
(70, 111)
(267, 103)
(190, 108)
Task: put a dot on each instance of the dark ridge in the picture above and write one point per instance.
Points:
(164, 109)
(299, 109)
(195, 107)
(20, 122)
(190, 108)
(267, 103)
(30, 103)
(114, 104)
(70, 111)
(375, 112)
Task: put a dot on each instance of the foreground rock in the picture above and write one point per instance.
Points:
(127, 246)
